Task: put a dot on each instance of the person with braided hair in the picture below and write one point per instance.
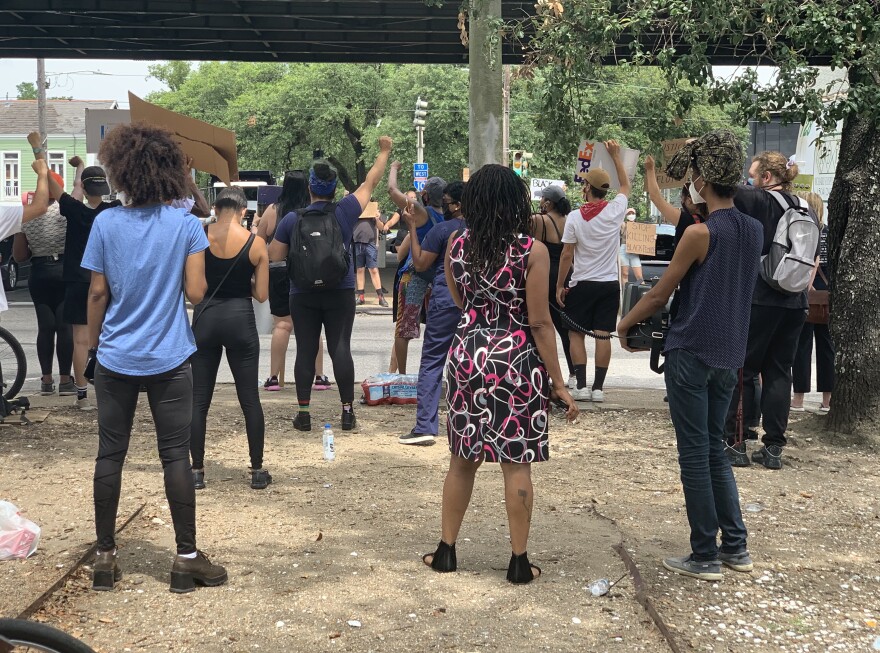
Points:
(504, 349)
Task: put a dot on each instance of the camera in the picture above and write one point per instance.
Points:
(651, 333)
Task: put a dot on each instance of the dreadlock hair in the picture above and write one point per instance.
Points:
(145, 163)
(498, 207)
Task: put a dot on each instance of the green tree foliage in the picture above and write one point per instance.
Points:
(572, 42)
(26, 91)
(282, 113)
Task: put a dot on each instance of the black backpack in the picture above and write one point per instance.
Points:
(318, 257)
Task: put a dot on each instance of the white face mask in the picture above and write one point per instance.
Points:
(696, 198)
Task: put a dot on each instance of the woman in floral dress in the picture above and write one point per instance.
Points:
(498, 389)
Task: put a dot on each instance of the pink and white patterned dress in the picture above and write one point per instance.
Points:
(497, 388)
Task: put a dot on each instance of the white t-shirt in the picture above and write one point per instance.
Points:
(597, 241)
(10, 223)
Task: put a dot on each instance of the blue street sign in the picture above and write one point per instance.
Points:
(420, 185)
(420, 166)
(420, 174)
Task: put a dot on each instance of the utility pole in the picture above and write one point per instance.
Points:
(486, 84)
(505, 136)
(41, 100)
(420, 114)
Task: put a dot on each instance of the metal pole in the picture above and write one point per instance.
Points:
(41, 100)
(505, 135)
(420, 144)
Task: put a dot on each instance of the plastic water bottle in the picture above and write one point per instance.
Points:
(329, 447)
(600, 587)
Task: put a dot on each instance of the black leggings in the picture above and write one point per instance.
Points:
(334, 310)
(229, 324)
(170, 397)
(46, 285)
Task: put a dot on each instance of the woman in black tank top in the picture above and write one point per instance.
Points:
(548, 227)
(225, 320)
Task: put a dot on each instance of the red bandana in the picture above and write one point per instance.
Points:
(591, 210)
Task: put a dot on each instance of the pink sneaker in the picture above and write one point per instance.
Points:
(272, 384)
(322, 383)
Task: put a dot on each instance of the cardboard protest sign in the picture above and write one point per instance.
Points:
(641, 238)
(593, 154)
(211, 148)
(537, 185)
(372, 210)
(670, 149)
(99, 123)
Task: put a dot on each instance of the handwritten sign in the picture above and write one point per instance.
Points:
(537, 185)
(592, 154)
(641, 238)
(670, 149)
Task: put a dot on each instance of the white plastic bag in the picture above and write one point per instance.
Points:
(19, 537)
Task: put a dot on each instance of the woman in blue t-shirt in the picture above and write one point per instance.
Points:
(143, 258)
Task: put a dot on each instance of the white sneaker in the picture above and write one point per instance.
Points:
(85, 404)
(582, 394)
(572, 382)
(597, 396)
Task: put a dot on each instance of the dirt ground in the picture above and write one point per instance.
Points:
(327, 559)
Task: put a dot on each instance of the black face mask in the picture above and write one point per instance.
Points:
(447, 214)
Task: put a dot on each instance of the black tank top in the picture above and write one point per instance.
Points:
(554, 249)
(238, 283)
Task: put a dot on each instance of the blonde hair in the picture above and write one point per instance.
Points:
(816, 203)
(777, 165)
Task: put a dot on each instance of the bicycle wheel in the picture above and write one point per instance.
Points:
(26, 636)
(13, 364)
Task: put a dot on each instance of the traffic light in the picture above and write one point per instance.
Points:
(518, 162)
(421, 113)
(526, 157)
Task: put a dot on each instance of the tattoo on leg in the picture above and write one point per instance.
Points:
(525, 499)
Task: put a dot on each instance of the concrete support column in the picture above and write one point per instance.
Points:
(486, 85)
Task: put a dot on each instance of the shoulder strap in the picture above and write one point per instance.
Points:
(555, 227)
(241, 252)
(781, 199)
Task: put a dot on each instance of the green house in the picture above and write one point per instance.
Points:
(66, 137)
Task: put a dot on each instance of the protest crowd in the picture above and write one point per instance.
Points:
(493, 281)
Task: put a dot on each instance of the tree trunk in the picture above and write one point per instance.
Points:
(854, 240)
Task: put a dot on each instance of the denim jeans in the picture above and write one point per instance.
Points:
(699, 396)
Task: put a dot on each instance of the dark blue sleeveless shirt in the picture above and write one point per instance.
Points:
(716, 296)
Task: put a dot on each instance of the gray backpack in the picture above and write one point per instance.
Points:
(788, 267)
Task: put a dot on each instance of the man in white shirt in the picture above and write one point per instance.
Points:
(590, 304)
(12, 217)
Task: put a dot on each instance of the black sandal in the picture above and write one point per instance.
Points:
(520, 570)
(444, 559)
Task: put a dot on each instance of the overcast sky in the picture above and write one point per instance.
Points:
(77, 78)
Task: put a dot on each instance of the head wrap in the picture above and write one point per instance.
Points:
(321, 187)
(718, 155)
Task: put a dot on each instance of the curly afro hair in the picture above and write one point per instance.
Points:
(145, 163)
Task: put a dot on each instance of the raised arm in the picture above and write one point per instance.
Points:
(77, 193)
(613, 148)
(669, 212)
(374, 176)
(41, 198)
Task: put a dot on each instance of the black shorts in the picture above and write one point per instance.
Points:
(279, 291)
(593, 306)
(76, 302)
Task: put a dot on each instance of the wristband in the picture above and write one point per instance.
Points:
(38, 150)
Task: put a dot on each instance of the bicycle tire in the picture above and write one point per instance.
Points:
(12, 388)
(39, 638)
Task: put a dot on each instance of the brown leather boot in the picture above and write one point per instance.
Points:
(187, 572)
(106, 571)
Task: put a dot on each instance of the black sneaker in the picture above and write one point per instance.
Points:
(382, 302)
(359, 301)
(770, 457)
(737, 454)
(260, 479)
(421, 439)
(349, 421)
(687, 566)
(737, 561)
(199, 479)
(66, 389)
(186, 572)
(302, 421)
(47, 389)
